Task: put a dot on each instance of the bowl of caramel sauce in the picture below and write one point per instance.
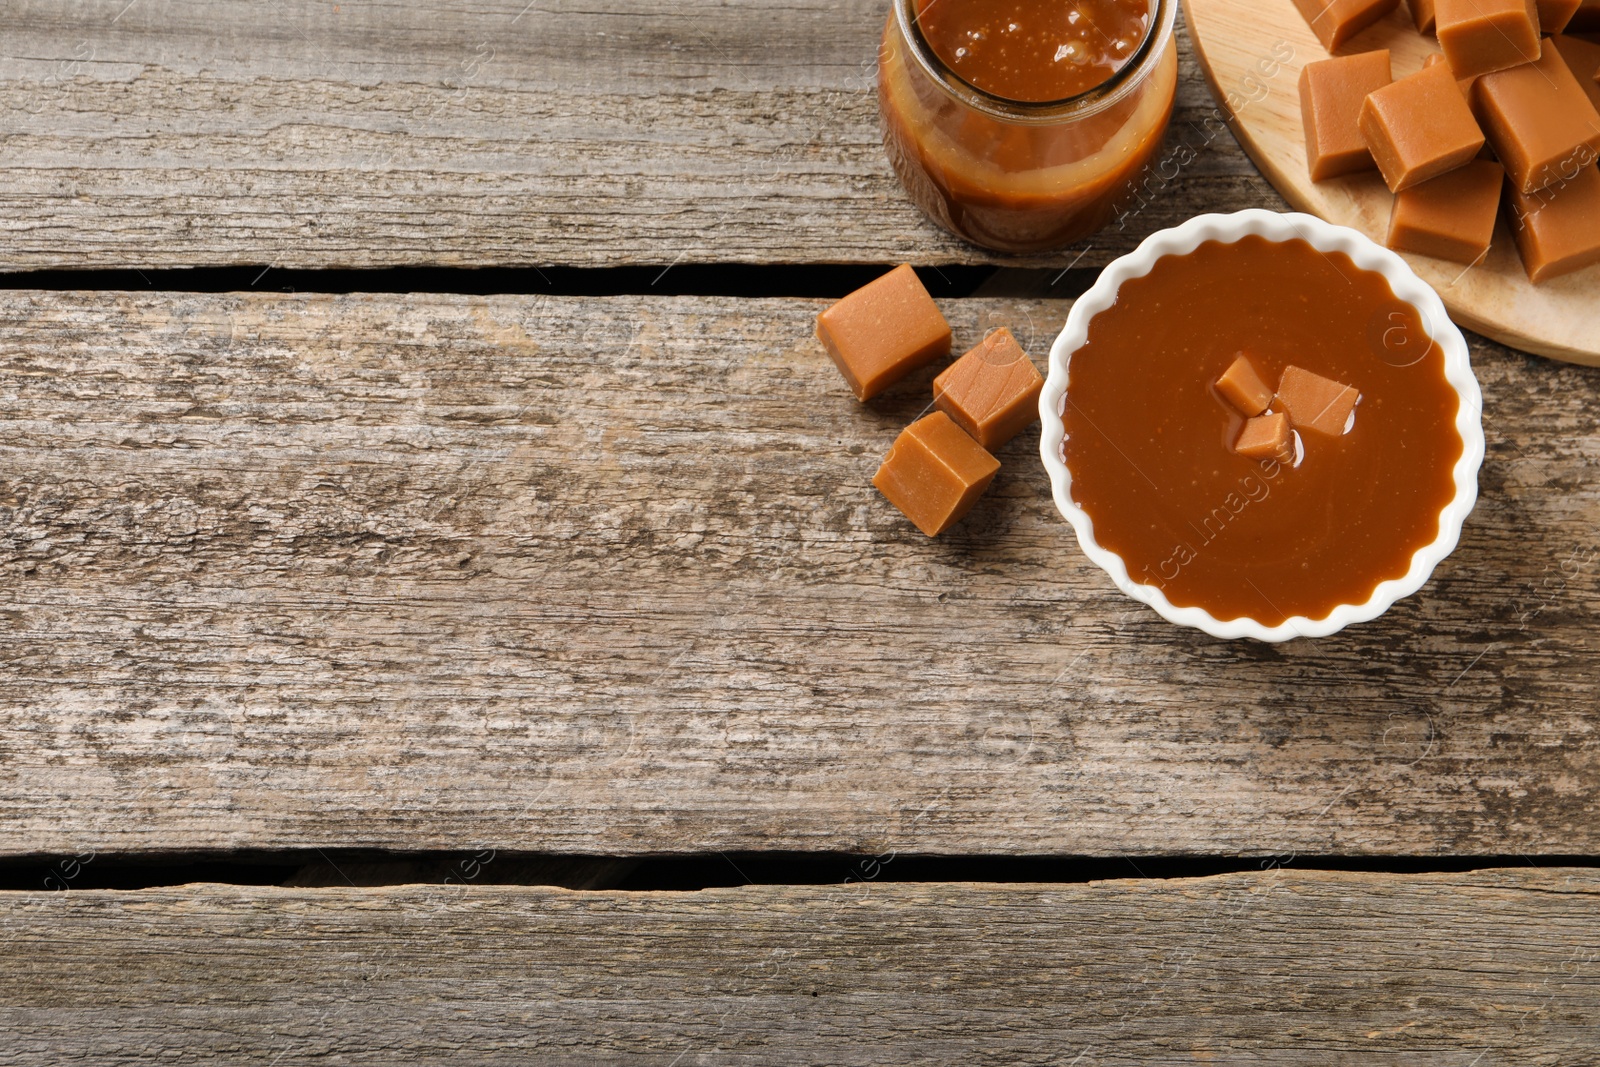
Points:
(1315, 500)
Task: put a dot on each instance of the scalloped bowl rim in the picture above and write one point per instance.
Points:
(1275, 226)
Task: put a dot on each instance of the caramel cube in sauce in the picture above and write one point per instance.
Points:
(1557, 229)
(1266, 437)
(992, 392)
(883, 331)
(934, 473)
(1555, 14)
(1336, 21)
(1331, 94)
(1316, 403)
(1479, 36)
(1583, 59)
(1451, 216)
(1419, 127)
(1242, 387)
(1422, 15)
(1540, 121)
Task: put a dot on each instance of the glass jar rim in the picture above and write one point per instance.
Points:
(1086, 103)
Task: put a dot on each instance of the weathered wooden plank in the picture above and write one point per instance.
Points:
(609, 576)
(483, 132)
(1279, 967)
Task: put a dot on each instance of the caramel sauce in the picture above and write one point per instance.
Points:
(1034, 51)
(1149, 440)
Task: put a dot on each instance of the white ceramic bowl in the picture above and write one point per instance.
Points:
(1274, 226)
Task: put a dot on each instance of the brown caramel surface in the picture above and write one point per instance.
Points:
(1336, 21)
(1241, 386)
(1419, 127)
(1034, 50)
(1450, 217)
(934, 473)
(1583, 59)
(1331, 94)
(992, 392)
(1150, 442)
(883, 331)
(1557, 229)
(1555, 14)
(1479, 36)
(1464, 84)
(1539, 120)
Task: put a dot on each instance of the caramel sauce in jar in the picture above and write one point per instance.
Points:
(1149, 439)
(1023, 125)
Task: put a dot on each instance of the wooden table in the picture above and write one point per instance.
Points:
(567, 576)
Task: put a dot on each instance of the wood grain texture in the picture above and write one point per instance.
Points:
(1280, 967)
(608, 576)
(168, 133)
(1262, 45)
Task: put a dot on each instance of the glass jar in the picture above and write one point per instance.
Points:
(1016, 176)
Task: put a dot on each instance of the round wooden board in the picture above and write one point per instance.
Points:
(1252, 52)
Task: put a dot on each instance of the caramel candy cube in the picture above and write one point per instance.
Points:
(883, 331)
(1266, 437)
(992, 392)
(1586, 19)
(1541, 123)
(1316, 403)
(1557, 230)
(1242, 387)
(1451, 216)
(1555, 14)
(1331, 94)
(1479, 36)
(1419, 127)
(1422, 15)
(1583, 59)
(934, 473)
(1336, 21)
